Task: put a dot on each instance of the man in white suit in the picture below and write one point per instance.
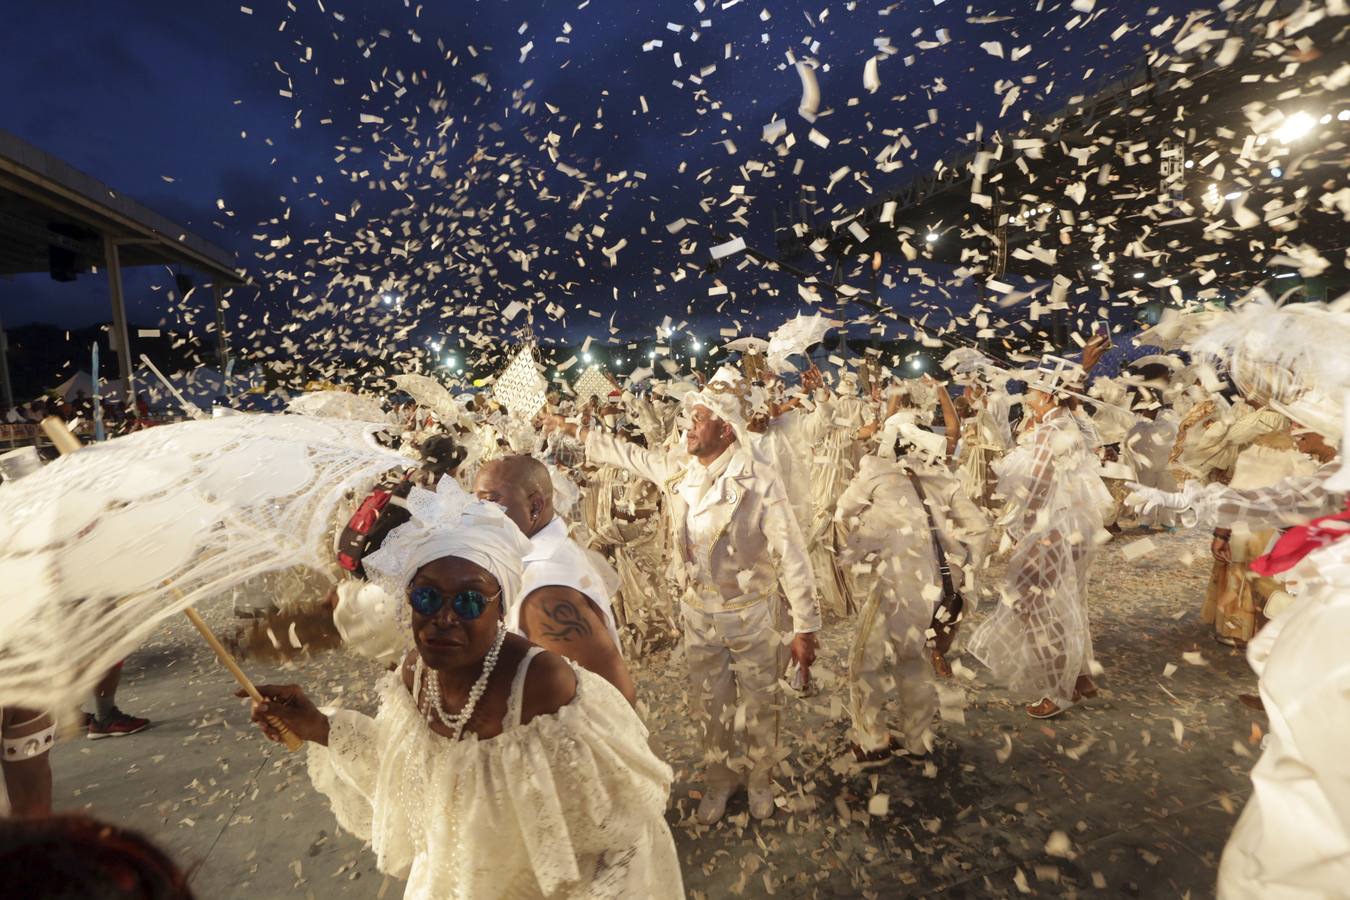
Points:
(735, 541)
(899, 515)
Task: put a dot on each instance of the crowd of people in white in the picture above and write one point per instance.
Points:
(509, 572)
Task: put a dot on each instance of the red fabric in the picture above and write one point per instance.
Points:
(1301, 540)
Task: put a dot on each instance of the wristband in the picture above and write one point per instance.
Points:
(16, 749)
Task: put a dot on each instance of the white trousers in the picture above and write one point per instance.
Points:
(894, 616)
(733, 672)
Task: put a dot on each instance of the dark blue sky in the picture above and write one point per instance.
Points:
(136, 93)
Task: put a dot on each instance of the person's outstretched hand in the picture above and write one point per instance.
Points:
(288, 704)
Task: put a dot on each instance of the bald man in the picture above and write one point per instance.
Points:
(564, 605)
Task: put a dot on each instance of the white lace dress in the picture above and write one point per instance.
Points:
(1292, 841)
(568, 805)
(1037, 640)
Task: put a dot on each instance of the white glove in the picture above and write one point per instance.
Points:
(1147, 500)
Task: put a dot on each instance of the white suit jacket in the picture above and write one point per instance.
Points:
(883, 514)
(758, 545)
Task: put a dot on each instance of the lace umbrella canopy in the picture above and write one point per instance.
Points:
(101, 546)
(1290, 357)
(339, 405)
(430, 394)
(797, 336)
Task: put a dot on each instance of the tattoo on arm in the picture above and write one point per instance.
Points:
(564, 621)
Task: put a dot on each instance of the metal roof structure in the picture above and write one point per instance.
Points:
(55, 218)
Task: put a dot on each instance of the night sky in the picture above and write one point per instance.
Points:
(181, 106)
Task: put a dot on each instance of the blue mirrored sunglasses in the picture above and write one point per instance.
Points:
(467, 605)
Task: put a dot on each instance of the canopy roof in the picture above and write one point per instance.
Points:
(46, 203)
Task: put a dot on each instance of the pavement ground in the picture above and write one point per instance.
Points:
(1129, 795)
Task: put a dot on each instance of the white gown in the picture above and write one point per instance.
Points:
(1037, 640)
(1292, 841)
(567, 805)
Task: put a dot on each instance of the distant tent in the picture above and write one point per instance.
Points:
(82, 381)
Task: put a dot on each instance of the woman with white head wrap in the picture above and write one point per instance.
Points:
(492, 768)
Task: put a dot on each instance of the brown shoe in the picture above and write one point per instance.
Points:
(941, 667)
(1252, 701)
(868, 759)
(1084, 687)
(1046, 709)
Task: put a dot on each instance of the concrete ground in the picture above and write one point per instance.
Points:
(1131, 795)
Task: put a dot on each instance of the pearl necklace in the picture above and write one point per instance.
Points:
(435, 704)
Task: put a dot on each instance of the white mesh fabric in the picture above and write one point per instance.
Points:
(102, 545)
(592, 383)
(520, 387)
(1037, 640)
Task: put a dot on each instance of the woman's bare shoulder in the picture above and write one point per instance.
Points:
(550, 684)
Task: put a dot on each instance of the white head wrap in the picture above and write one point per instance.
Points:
(449, 522)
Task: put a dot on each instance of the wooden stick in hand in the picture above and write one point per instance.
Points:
(292, 742)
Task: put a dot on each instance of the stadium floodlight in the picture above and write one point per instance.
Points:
(1294, 127)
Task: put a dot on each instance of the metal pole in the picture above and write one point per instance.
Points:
(120, 336)
(222, 339)
(188, 406)
(6, 390)
(99, 434)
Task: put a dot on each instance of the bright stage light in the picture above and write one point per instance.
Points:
(1294, 127)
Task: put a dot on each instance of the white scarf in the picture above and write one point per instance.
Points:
(699, 478)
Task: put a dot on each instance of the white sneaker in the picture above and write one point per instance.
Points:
(713, 804)
(761, 802)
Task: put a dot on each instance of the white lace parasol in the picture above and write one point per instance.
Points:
(747, 345)
(795, 336)
(100, 546)
(339, 405)
(429, 393)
